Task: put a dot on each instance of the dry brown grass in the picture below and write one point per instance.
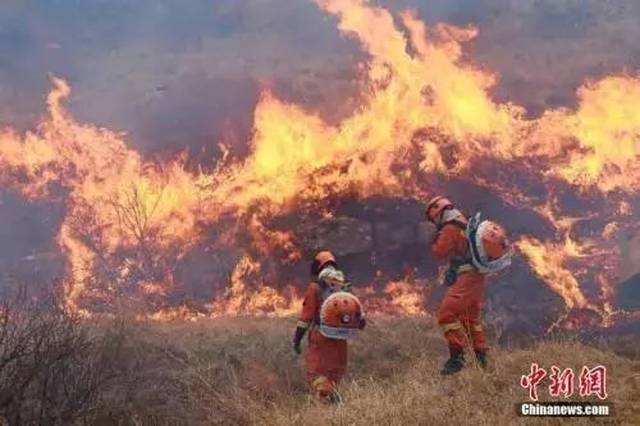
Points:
(418, 395)
(243, 371)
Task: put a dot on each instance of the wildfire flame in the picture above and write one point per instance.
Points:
(426, 112)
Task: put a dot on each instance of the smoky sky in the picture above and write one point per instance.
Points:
(177, 75)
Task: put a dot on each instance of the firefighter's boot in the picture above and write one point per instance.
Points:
(454, 364)
(334, 398)
(481, 359)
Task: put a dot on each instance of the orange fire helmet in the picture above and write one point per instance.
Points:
(323, 257)
(340, 315)
(435, 207)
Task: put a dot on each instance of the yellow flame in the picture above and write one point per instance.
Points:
(548, 261)
(425, 110)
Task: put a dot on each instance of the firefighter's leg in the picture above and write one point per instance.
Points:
(451, 314)
(326, 365)
(322, 387)
(449, 318)
(317, 382)
(476, 331)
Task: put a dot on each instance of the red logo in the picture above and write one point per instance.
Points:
(562, 382)
(592, 381)
(532, 380)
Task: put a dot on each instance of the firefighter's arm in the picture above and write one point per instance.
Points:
(309, 306)
(444, 242)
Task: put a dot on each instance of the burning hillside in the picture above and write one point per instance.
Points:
(171, 239)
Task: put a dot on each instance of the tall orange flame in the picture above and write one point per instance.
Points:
(426, 111)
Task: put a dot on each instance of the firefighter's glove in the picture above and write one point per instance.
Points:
(297, 339)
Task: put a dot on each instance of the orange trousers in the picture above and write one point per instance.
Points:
(326, 363)
(459, 313)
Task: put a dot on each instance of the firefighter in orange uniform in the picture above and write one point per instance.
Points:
(326, 358)
(474, 249)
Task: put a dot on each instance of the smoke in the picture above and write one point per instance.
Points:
(171, 74)
(187, 74)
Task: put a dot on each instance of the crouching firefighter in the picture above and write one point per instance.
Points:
(332, 314)
(474, 248)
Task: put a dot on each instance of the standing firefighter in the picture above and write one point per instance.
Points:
(332, 314)
(474, 249)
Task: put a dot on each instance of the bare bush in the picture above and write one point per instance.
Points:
(51, 367)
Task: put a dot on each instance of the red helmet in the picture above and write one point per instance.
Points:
(324, 257)
(435, 207)
(341, 310)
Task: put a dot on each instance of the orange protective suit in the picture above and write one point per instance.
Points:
(459, 313)
(326, 359)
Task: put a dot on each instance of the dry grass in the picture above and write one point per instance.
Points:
(418, 395)
(243, 371)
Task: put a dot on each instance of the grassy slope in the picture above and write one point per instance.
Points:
(241, 371)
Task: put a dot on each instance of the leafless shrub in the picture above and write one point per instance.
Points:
(51, 366)
(141, 257)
